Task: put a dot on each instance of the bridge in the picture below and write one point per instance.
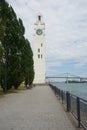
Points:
(66, 76)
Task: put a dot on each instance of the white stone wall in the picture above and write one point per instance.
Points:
(39, 53)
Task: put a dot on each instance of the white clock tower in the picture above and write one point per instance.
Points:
(39, 50)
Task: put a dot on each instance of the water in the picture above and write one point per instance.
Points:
(78, 89)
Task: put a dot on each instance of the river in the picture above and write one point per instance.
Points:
(78, 89)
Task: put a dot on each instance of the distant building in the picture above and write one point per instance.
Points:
(39, 50)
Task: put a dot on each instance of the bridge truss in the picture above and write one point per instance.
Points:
(65, 78)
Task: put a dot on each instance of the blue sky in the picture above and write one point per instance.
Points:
(66, 32)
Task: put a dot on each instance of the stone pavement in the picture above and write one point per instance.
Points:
(35, 109)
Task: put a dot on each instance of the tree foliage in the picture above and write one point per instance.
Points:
(15, 52)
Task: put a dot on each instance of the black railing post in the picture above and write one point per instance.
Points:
(59, 94)
(56, 91)
(68, 101)
(62, 96)
(78, 111)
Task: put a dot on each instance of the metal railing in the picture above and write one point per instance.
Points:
(76, 105)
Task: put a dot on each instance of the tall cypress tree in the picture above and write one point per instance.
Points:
(17, 53)
(27, 63)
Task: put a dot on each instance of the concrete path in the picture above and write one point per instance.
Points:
(36, 109)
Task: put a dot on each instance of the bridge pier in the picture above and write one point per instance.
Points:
(80, 79)
(67, 80)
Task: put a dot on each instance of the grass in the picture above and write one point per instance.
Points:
(12, 90)
(22, 87)
(1, 92)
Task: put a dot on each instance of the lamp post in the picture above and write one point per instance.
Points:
(6, 53)
(5, 56)
(0, 62)
(5, 80)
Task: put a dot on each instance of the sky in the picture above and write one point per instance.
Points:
(66, 32)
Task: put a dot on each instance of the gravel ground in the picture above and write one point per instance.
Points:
(35, 109)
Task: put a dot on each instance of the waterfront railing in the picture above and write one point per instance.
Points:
(74, 104)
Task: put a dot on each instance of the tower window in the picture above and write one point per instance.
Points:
(41, 56)
(38, 50)
(39, 17)
(41, 44)
(38, 56)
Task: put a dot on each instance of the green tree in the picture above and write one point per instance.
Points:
(17, 53)
(27, 63)
(3, 17)
(1, 54)
(11, 44)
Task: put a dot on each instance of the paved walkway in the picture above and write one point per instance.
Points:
(36, 109)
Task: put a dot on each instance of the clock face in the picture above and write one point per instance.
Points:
(39, 31)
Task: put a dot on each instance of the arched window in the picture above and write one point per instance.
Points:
(38, 50)
(38, 55)
(41, 44)
(39, 17)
